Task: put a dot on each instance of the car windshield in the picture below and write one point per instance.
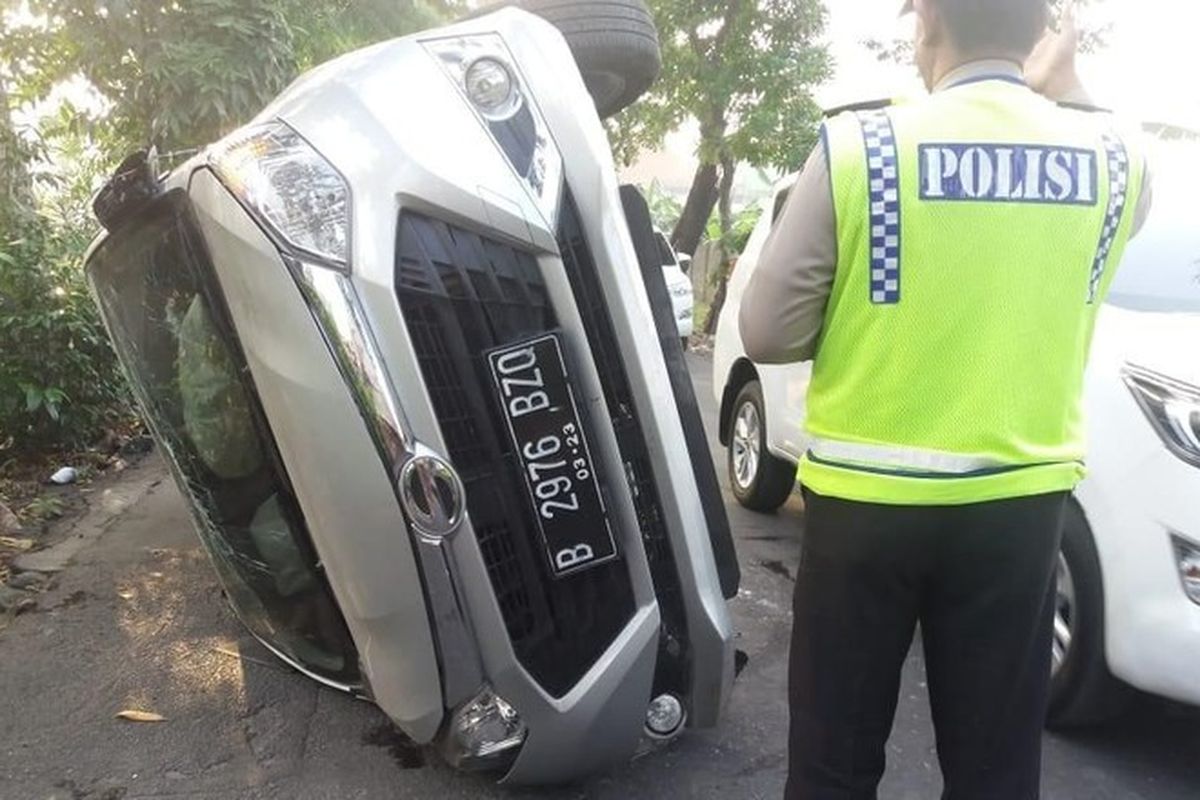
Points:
(1161, 269)
(169, 325)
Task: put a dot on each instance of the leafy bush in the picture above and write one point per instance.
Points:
(59, 382)
(664, 208)
(739, 232)
(60, 386)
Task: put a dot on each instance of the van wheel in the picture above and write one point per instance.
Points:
(615, 44)
(761, 481)
(1082, 690)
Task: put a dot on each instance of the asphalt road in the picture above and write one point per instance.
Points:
(138, 622)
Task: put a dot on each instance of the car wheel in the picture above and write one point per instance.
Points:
(1082, 691)
(761, 481)
(615, 44)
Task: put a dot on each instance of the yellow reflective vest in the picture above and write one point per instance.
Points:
(978, 232)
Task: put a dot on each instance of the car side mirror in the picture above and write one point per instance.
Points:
(133, 185)
(685, 263)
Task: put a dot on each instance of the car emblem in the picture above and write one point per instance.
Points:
(432, 494)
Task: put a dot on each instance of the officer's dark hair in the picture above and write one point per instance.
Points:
(998, 26)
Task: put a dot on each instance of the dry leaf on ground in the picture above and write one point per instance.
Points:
(15, 544)
(141, 716)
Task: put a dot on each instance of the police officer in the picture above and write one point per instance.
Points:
(942, 262)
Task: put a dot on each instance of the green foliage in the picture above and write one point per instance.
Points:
(740, 229)
(664, 208)
(743, 69)
(16, 187)
(1171, 133)
(176, 74)
(59, 383)
(328, 28)
(44, 508)
(180, 73)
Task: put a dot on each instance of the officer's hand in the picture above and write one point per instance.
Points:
(1051, 69)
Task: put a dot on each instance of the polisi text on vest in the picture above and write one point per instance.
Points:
(1008, 173)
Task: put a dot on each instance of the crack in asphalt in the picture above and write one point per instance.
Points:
(308, 722)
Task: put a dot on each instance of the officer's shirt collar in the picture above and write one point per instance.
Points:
(990, 69)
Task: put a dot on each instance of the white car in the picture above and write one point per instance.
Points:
(1128, 611)
(679, 285)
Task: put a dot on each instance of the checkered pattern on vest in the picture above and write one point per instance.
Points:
(1118, 179)
(884, 193)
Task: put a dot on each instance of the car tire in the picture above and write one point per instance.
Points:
(760, 480)
(1082, 690)
(615, 44)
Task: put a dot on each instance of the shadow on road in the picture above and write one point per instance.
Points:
(1153, 750)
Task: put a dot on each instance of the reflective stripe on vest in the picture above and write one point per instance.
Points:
(902, 459)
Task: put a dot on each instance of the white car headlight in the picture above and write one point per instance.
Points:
(290, 187)
(1173, 408)
(491, 88)
(486, 73)
(1187, 555)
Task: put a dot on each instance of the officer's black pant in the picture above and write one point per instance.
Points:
(980, 580)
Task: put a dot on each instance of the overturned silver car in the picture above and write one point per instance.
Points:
(407, 348)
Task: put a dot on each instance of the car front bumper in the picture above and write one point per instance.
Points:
(684, 318)
(1152, 630)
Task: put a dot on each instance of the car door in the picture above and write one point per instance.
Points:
(785, 387)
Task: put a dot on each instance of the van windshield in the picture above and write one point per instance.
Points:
(170, 328)
(1161, 268)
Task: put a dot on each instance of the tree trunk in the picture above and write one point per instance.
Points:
(725, 204)
(696, 211)
(704, 192)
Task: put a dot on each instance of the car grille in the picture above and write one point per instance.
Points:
(585, 284)
(463, 294)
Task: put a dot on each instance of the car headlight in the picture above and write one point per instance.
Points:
(1187, 558)
(1173, 408)
(680, 289)
(486, 73)
(491, 88)
(293, 191)
(485, 733)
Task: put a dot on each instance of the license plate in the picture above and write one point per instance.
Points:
(531, 384)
